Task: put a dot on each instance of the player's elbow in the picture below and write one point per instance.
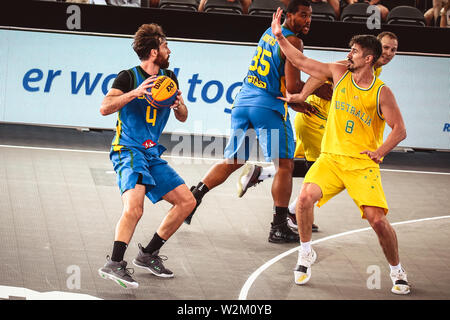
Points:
(404, 135)
(103, 111)
(401, 133)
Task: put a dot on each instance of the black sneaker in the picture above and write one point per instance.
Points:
(119, 273)
(281, 233)
(248, 178)
(152, 262)
(189, 217)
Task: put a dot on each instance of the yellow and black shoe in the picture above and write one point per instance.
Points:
(302, 271)
(400, 282)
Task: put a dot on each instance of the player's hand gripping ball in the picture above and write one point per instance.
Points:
(163, 93)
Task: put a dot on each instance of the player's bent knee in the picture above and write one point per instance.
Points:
(190, 203)
(305, 199)
(133, 213)
(186, 203)
(378, 223)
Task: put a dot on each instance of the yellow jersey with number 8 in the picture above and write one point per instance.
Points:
(355, 122)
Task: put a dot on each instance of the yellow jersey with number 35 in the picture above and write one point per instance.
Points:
(355, 122)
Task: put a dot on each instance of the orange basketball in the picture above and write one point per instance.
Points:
(163, 93)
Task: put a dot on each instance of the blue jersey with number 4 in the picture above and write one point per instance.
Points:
(140, 124)
(265, 79)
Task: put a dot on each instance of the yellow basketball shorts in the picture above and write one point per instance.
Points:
(362, 179)
(309, 132)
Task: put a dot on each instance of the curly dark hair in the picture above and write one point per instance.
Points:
(149, 36)
(294, 4)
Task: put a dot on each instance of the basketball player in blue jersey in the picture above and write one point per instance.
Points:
(136, 156)
(257, 107)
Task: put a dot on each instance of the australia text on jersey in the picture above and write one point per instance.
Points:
(365, 118)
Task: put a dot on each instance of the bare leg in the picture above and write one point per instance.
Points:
(309, 195)
(429, 17)
(385, 232)
(115, 267)
(336, 7)
(245, 5)
(282, 183)
(383, 12)
(220, 172)
(183, 203)
(133, 207)
(437, 5)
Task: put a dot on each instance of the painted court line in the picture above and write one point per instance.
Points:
(244, 291)
(413, 171)
(192, 158)
(101, 152)
(247, 285)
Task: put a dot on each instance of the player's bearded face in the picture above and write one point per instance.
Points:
(351, 65)
(355, 64)
(162, 60)
(302, 19)
(355, 59)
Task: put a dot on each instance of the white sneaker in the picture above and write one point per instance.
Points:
(292, 221)
(248, 178)
(302, 271)
(400, 282)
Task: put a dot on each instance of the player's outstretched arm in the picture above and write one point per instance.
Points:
(318, 87)
(311, 86)
(394, 119)
(312, 67)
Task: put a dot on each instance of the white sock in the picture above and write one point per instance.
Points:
(306, 246)
(396, 268)
(267, 172)
(292, 206)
